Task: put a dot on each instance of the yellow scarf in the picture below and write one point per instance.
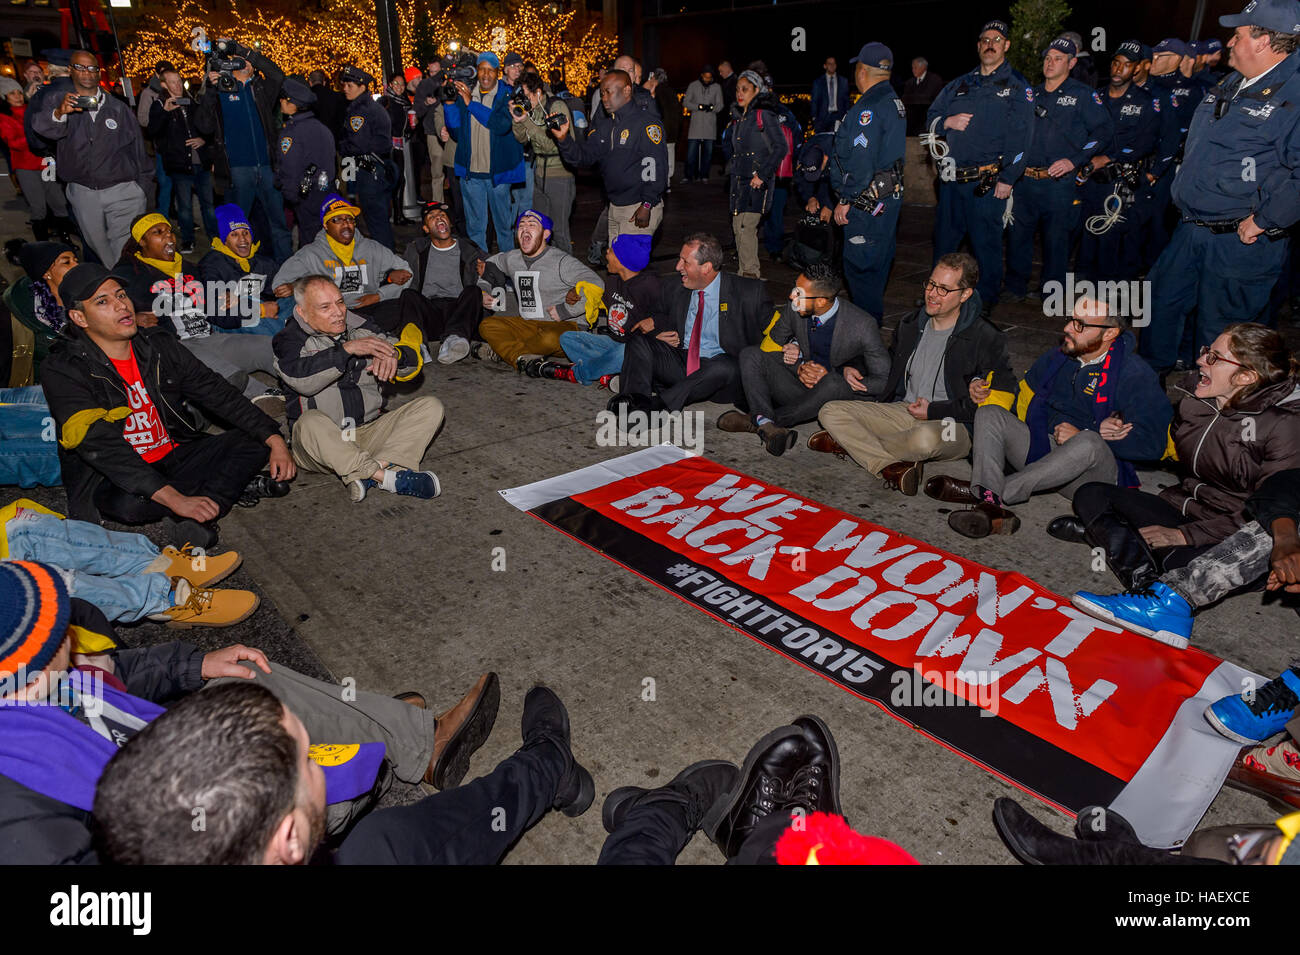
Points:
(344, 252)
(220, 246)
(169, 267)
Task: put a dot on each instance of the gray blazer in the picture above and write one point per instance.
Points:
(855, 341)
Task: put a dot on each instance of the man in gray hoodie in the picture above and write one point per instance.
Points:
(534, 295)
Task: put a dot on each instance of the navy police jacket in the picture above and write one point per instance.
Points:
(872, 137)
(1069, 123)
(632, 154)
(304, 141)
(1002, 106)
(366, 129)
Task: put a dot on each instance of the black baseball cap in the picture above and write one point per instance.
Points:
(83, 281)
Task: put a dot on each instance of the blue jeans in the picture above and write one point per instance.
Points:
(480, 196)
(29, 452)
(592, 355)
(250, 184)
(107, 567)
(197, 183)
(699, 153)
(164, 186)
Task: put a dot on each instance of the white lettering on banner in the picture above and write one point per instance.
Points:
(897, 613)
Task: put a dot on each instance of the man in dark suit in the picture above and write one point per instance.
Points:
(830, 98)
(830, 351)
(694, 353)
(918, 93)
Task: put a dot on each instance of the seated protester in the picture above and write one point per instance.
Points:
(1240, 424)
(633, 301)
(155, 277)
(694, 353)
(29, 457)
(368, 273)
(533, 291)
(332, 362)
(944, 360)
(253, 748)
(34, 298)
(236, 278)
(831, 351)
(125, 575)
(1086, 411)
(117, 392)
(55, 647)
(443, 297)
(1266, 549)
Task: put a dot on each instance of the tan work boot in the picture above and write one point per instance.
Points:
(208, 608)
(461, 730)
(201, 570)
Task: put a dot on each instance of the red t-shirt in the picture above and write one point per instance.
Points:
(143, 427)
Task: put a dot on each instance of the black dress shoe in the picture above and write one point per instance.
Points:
(695, 790)
(767, 773)
(263, 485)
(546, 721)
(1067, 528)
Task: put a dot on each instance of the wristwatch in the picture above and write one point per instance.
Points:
(646, 205)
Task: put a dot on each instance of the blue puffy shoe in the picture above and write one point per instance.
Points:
(1255, 715)
(1158, 612)
(422, 484)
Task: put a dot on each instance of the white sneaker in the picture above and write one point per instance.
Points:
(424, 353)
(453, 349)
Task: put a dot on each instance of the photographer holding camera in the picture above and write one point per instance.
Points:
(306, 172)
(428, 110)
(703, 102)
(100, 155)
(553, 184)
(237, 115)
(184, 157)
(367, 141)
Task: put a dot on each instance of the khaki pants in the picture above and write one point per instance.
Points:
(620, 220)
(878, 435)
(436, 175)
(399, 437)
(744, 225)
(511, 336)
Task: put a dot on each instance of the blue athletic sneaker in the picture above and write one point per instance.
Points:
(1158, 612)
(423, 484)
(1254, 716)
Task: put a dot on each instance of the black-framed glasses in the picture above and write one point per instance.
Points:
(1079, 325)
(942, 289)
(83, 68)
(1212, 357)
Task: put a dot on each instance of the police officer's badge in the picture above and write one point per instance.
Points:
(1029, 94)
(656, 134)
(285, 143)
(1096, 97)
(111, 123)
(622, 139)
(1155, 103)
(864, 117)
(356, 122)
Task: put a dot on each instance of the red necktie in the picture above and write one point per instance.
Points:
(693, 351)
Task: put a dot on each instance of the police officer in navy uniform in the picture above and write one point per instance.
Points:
(1238, 189)
(367, 142)
(1070, 127)
(866, 178)
(1179, 96)
(632, 154)
(305, 175)
(986, 117)
(1114, 254)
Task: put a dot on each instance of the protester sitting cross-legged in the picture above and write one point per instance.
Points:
(369, 274)
(333, 362)
(443, 296)
(236, 276)
(34, 299)
(118, 396)
(632, 302)
(534, 293)
(126, 575)
(242, 741)
(1239, 424)
(1086, 411)
(945, 359)
(694, 353)
(165, 294)
(830, 350)
(1264, 549)
(59, 651)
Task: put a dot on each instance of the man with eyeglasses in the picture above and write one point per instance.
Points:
(831, 350)
(927, 405)
(1238, 190)
(1086, 411)
(986, 118)
(100, 154)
